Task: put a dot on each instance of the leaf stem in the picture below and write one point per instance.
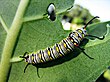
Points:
(11, 39)
(3, 24)
(32, 18)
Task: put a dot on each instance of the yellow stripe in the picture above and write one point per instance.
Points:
(74, 43)
(64, 45)
(33, 62)
(80, 31)
(60, 54)
(41, 60)
(57, 48)
(33, 59)
(76, 34)
(83, 35)
(48, 52)
(71, 40)
(69, 50)
(40, 56)
(50, 58)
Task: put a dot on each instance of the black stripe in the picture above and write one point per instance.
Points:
(59, 49)
(79, 34)
(41, 56)
(63, 47)
(56, 53)
(76, 40)
(50, 53)
(69, 43)
(34, 60)
(73, 37)
(66, 44)
(38, 58)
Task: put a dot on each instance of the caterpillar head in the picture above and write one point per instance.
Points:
(27, 59)
(25, 56)
(83, 30)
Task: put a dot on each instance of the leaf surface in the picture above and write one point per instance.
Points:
(42, 33)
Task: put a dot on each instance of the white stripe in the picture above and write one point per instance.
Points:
(51, 53)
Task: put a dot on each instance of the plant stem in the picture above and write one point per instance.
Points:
(11, 40)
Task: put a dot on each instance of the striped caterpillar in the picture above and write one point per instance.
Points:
(59, 49)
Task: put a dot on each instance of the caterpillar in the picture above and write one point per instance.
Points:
(59, 49)
(51, 12)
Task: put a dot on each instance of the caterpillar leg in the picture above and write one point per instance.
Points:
(37, 69)
(26, 67)
(82, 50)
(38, 72)
(100, 38)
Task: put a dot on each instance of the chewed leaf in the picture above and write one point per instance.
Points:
(105, 33)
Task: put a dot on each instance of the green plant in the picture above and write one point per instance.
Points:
(28, 30)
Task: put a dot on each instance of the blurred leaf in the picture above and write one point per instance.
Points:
(79, 15)
(77, 21)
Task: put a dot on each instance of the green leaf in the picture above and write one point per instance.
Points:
(40, 33)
